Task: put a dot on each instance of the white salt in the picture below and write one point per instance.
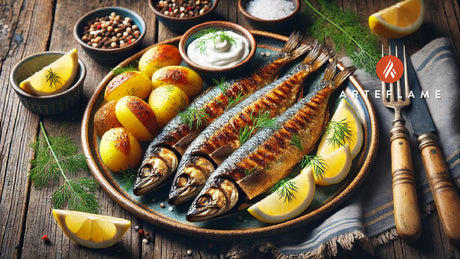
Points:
(270, 9)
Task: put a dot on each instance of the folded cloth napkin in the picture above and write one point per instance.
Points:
(368, 216)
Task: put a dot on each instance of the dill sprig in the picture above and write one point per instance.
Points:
(259, 121)
(285, 189)
(193, 117)
(52, 78)
(213, 35)
(234, 100)
(221, 84)
(340, 131)
(121, 70)
(316, 163)
(55, 157)
(295, 141)
(128, 178)
(346, 31)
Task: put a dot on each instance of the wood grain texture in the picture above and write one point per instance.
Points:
(28, 27)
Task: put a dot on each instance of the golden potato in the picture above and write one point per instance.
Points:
(137, 117)
(159, 56)
(132, 83)
(120, 150)
(166, 102)
(183, 77)
(105, 118)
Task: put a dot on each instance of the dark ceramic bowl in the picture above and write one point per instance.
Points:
(192, 34)
(181, 24)
(265, 24)
(109, 56)
(51, 104)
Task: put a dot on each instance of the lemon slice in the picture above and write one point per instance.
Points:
(54, 78)
(344, 113)
(337, 165)
(274, 208)
(91, 230)
(398, 20)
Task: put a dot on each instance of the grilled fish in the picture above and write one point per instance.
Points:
(165, 150)
(269, 155)
(221, 137)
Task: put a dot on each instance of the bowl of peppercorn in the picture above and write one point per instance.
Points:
(181, 15)
(110, 34)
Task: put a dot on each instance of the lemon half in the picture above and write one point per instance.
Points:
(54, 78)
(91, 230)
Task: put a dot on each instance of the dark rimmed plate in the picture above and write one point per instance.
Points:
(240, 225)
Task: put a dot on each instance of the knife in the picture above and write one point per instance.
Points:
(442, 187)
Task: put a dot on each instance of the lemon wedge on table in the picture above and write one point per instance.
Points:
(345, 114)
(91, 230)
(54, 78)
(336, 166)
(398, 20)
(276, 208)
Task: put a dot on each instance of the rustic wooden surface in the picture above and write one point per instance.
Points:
(31, 26)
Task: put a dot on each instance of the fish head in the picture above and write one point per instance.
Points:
(155, 170)
(214, 201)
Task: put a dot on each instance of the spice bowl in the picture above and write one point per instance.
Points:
(239, 47)
(272, 18)
(114, 39)
(50, 104)
(180, 21)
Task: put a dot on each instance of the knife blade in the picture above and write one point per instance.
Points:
(442, 187)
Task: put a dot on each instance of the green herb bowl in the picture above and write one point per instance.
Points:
(50, 104)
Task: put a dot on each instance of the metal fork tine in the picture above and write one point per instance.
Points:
(406, 76)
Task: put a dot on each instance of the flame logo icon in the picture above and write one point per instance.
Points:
(389, 69)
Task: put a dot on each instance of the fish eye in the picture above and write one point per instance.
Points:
(182, 180)
(146, 171)
(204, 200)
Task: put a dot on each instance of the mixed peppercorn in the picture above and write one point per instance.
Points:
(183, 8)
(111, 32)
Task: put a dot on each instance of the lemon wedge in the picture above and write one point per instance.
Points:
(91, 230)
(54, 78)
(398, 20)
(336, 166)
(344, 113)
(274, 208)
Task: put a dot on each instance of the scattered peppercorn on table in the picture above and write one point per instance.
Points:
(28, 227)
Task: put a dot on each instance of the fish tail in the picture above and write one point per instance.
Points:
(330, 72)
(316, 57)
(333, 79)
(293, 49)
(343, 75)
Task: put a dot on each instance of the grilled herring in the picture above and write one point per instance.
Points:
(223, 136)
(164, 152)
(269, 155)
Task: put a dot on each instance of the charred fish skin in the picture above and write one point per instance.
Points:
(270, 155)
(221, 137)
(177, 134)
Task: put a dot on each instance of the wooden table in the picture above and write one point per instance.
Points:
(28, 27)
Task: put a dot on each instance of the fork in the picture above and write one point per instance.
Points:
(406, 209)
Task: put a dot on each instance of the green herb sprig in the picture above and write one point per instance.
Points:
(212, 35)
(285, 189)
(259, 121)
(346, 32)
(295, 141)
(317, 165)
(340, 131)
(52, 78)
(55, 157)
(194, 117)
(128, 178)
(121, 70)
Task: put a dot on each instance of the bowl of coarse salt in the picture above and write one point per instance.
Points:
(269, 14)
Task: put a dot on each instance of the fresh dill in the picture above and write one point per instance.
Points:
(259, 121)
(234, 100)
(128, 178)
(52, 78)
(316, 163)
(340, 133)
(121, 70)
(214, 36)
(55, 157)
(347, 32)
(295, 141)
(285, 189)
(193, 117)
(221, 84)
(249, 171)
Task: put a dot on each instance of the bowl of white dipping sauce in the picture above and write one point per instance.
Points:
(217, 47)
(269, 14)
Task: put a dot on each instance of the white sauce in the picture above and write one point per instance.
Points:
(218, 53)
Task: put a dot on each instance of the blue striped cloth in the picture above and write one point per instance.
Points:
(367, 217)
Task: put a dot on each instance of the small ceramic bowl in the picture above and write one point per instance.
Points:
(266, 24)
(194, 32)
(181, 24)
(51, 104)
(109, 56)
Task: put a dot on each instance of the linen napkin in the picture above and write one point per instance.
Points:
(367, 217)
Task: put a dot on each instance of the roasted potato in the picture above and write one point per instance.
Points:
(105, 118)
(133, 83)
(120, 150)
(157, 57)
(166, 102)
(183, 77)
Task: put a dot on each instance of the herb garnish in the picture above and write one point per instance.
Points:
(340, 131)
(52, 78)
(213, 35)
(128, 178)
(285, 189)
(121, 70)
(346, 32)
(317, 165)
(221, 84)
(234, 100)
(295, 141)
(261, 120)
(193, 117)
(56, 156)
